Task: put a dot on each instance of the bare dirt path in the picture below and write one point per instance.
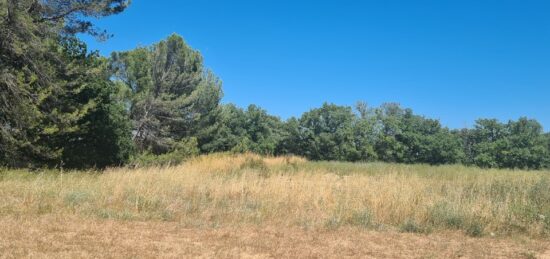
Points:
(49, 237)
(545, 255)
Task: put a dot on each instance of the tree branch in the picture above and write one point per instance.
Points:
(62, 15)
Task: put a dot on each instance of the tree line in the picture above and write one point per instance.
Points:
(62, 105)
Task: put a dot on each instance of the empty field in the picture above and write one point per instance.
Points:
(246, 205)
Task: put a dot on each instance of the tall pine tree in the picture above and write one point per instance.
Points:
(42, 69)
(171, 95)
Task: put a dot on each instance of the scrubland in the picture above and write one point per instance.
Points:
(447, 210)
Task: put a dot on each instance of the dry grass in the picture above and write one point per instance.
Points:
(247, 191)
(62, 237)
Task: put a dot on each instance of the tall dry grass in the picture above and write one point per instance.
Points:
(236, 190)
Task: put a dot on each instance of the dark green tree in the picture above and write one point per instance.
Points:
(409, 138)
(103, 135)
(253, 130)
(389, 119)
(517, 144)
(426, 141)
(365, 132)
(263, 130)
(34, 72)
(227, 131)
(327, 133)
(171, 96)
(488, 138)
(526, 145)
(292, 141)
(70, 16)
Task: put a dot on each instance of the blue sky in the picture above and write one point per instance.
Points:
(451, 60)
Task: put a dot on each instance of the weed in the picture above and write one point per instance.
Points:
(475, 229)
(76, 198)
(361, 218)
(254, 163)
(333, 222)
(444, 215)
(411, 226)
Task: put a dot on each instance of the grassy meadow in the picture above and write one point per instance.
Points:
(224, 190)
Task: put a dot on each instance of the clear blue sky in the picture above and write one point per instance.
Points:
(451, 60)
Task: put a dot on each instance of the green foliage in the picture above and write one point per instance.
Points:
(362, 218)
(103, 135)
(327, 133)
(242, 131)
(411, 226)
(254, 163)
(475, 229)
(182, 150)
(539, 195)
(76, 198)
(517, 144)
(365, 135)
(409, 138)
(290, 142)
(227, 132)
(51, 88)
(171, 95)
(444, 215)
(388, 133)
(263, 130)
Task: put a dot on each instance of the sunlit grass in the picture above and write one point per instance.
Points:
(233, 190)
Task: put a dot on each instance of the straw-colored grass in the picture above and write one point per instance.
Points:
(224, 190)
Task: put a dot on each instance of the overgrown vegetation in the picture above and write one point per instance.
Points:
(248, 190)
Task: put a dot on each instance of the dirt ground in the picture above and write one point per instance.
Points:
(57, 237)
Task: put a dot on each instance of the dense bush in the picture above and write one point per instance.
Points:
(55, 97)
(516, 144)
(181, 151)
(388, 133)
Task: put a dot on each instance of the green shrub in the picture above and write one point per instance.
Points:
(361, 218)
(333, 222)
(443, 215)
(411, 226)
(76, 198)
(257, 164)
(475, 229)
(539, 194)
(183, 150)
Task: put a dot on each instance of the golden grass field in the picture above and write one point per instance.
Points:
(237, 206)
